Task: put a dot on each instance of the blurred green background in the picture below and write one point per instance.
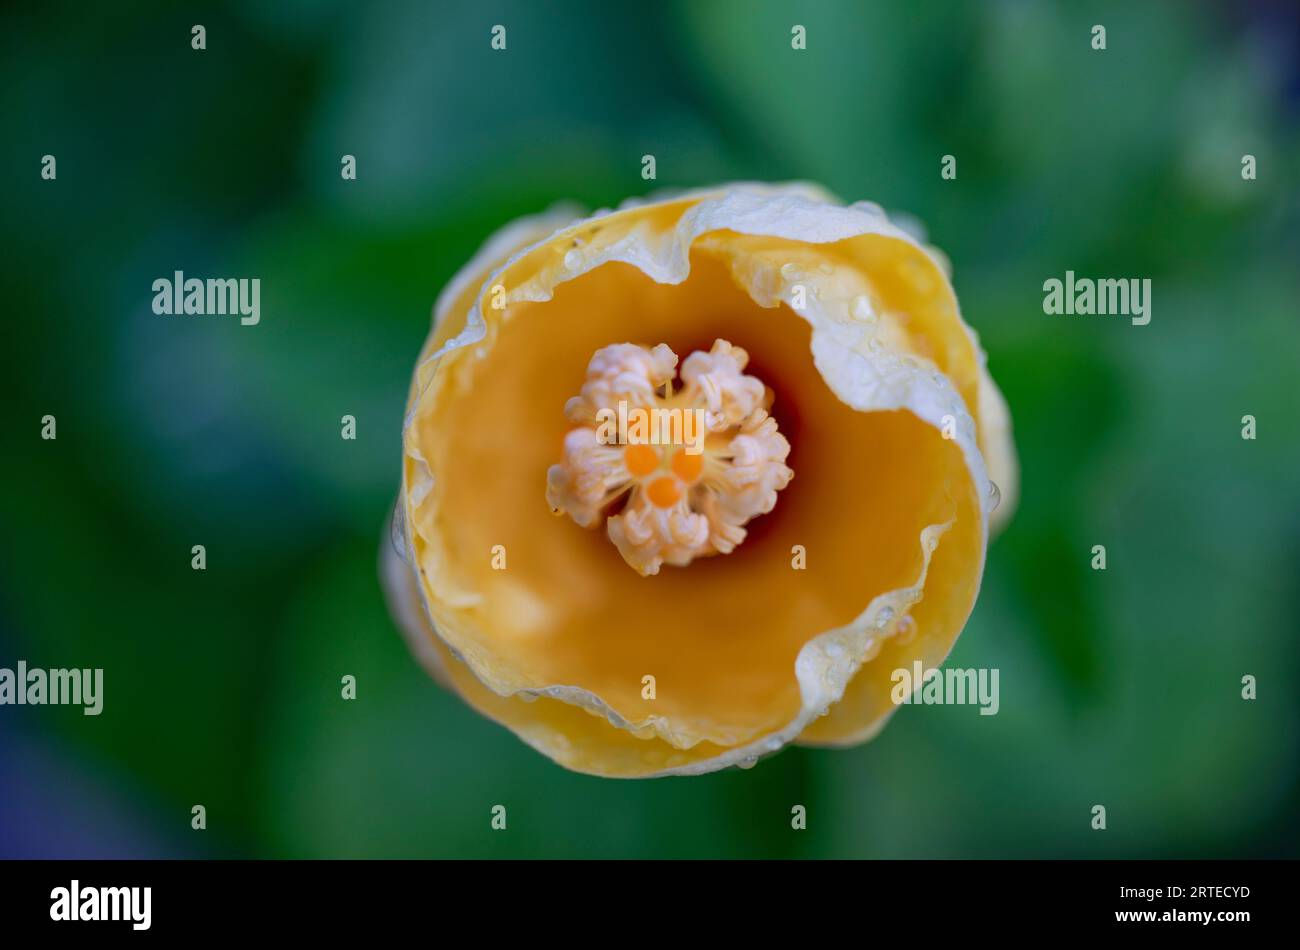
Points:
(222, 687)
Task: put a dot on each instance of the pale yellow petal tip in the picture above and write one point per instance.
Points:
(689, 468)
(999, 448)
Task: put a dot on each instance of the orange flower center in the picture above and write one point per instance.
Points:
(688, 467)
(664, 492)
(640, 459)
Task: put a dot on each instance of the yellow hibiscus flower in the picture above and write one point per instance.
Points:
(687, 481)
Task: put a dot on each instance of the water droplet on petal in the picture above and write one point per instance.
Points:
(885, 615)
(861, 309)
(789, 271)
(572, 260)
(995, 496)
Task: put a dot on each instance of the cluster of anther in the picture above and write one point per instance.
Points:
(690, 467)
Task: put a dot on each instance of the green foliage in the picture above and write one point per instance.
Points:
(1119, 687)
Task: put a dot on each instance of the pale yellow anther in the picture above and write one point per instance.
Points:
(691, 465)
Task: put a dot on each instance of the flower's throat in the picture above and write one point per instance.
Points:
(691, 467)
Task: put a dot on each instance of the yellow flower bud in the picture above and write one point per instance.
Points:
(829, 401)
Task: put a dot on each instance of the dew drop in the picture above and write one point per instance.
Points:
(789, 271)
(882, 619)
(861, 309)
(572, 260)
(995, 496)
(748, 762)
